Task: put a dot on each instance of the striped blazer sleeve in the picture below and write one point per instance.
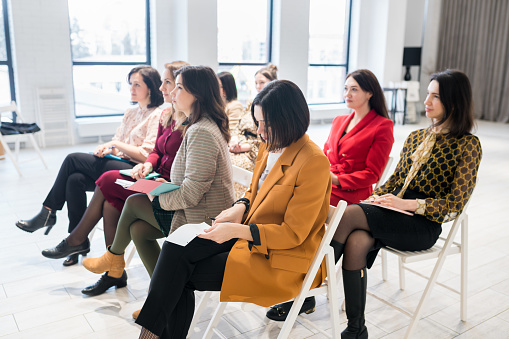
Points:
(201, 151)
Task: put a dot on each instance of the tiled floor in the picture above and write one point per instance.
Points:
(39, 298)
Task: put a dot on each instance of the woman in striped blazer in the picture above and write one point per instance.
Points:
(201, 167)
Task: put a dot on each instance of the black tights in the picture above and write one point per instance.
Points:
(97, 209)
(354, 232)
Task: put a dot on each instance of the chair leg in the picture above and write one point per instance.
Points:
(199, 310)
(401, 267)
(10, 155)
(36, 146)
(214, 321)
(130, 256)
(384, 264)
(464, 269)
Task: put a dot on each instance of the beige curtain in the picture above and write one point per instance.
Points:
(474, 37)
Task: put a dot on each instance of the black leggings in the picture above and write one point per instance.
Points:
(169, 308)
(77, 175)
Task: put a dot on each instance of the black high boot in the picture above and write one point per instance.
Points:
(355, 284)
(45, 218)
(338, 249)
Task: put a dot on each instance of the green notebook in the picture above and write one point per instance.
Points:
(127, 172)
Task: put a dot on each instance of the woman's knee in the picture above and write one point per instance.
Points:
(359, 240)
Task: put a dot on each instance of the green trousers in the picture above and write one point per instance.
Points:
(137, 223)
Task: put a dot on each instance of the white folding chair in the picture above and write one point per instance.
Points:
(324, 252)
(17, 138)
(445, 246)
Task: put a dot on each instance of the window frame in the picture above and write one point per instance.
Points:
(270, 6)
(113, 63)
(8, 61)
(347, 60)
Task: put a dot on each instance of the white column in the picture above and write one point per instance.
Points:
(290, 40)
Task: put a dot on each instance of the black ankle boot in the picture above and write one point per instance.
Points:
(45, 218)
(338, 249)
(104, 283)
(63, 250)
(355, 284)
(279, 312)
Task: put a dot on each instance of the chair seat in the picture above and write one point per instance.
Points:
(414, 256)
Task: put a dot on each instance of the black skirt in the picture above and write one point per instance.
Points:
(400, 231)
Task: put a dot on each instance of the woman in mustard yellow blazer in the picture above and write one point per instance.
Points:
(260, 249)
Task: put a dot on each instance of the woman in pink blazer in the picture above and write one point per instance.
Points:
(358, 148)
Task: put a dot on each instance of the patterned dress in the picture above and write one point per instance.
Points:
(443, 184)
(246, 132)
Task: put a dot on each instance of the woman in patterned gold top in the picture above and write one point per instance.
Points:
(434, 179)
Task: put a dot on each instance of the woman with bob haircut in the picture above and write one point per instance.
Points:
(358, 148)
(133, 141)
(434, 179)
(234, 109)
(260, 249)
(201, 167)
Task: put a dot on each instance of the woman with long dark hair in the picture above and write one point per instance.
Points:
(201, 167)
(434, 180)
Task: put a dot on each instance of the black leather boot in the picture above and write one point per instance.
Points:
(355, 284)
(45, 218)
(338, 249)
(104, 283)
(279, 312)
(63, 250)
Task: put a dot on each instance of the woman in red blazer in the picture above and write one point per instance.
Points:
(359, 144)
(358, 148)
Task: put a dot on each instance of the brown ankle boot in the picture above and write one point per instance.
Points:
(113, 263)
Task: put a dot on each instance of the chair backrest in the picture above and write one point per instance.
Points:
(242, 176)
(11, 108)
(331, 224)
(384, 173)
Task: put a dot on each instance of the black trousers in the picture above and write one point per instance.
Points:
(77, 175)
(169, 308)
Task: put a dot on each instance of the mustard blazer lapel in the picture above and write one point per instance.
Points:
(276, 173)
(360, 125)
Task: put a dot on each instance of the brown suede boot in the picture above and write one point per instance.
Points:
(114, 263)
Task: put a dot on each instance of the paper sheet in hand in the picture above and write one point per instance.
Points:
(152, 187)
(387, 207)
(186, 233)
(127, 172)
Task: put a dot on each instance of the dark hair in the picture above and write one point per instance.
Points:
(269, 71)
(202, 83)
(229, 86)
(152, 79)
(456, 95)
(369, 83)
(285, 113)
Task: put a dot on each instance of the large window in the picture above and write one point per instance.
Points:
(108, 39)
(6, 74)
(329, 23)
(244, 43)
